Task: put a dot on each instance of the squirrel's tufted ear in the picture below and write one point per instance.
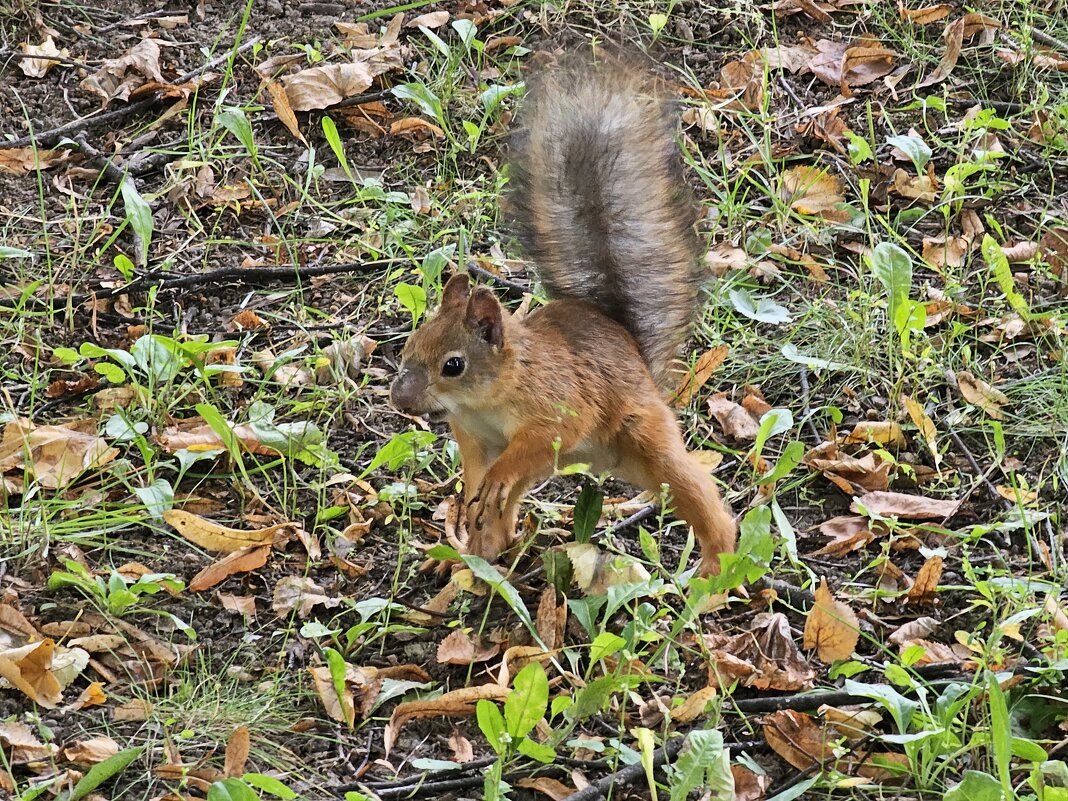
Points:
(484, 316)
(457, 290)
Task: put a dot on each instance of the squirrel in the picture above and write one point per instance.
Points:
(598, 199)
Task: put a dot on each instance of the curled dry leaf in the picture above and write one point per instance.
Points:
(881, 432)
(415, 127)
(916, 187)
(21, 746)
(942, 251)
(432, 19)
(213, 537)
(733, 418)
(953, 36)
(280, 103)
(832, 627)
(456, 704)
(926, 15)
(39, 67)
(847, 533)
(707, 363)
(29, 670)
(54, 455)
(923, 589)
(322, 87)
(243, 561)
(343, 360)
(1021, 252)
(91, 751)
(926, 427)
(846, 65)
(869, 472)
(765, 657)
(118, 77)
(904, 506)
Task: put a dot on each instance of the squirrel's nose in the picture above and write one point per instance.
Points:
(407, 389)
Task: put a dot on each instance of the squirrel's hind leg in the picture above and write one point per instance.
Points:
(652, 453)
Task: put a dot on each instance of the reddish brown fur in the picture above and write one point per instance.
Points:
(564, 373)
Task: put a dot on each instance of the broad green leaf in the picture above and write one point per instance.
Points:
(412, 298)
(764, 310)
(587, 512)
(892, 267)
(139, 213)
(491, 722)
(914, 148)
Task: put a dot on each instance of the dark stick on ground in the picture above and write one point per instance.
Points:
(511, 288)
(628, 775)
(242, 275)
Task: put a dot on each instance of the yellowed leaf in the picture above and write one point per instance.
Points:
(979, 393)
(415, 125)
(810, 190)
(881, 432)
(214, 537)
(29, 670)
(694, 705)
(242, 561)
(280, 103)
(456, 704)
(832, 627)
(926, 427)
(707, 363)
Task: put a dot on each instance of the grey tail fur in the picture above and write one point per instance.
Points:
(600, 205)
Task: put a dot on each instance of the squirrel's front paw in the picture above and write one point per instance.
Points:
(489, 528)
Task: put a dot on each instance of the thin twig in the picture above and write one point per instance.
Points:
(1052, 41)
(243, 275)
(511, 288)
(51, 137)
(628, 775)
(806, 407)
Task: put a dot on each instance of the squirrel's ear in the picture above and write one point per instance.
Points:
(457, 290)
(484, 316)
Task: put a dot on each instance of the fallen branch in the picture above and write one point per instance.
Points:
(628, 775)
(511, 289)
(242, 275)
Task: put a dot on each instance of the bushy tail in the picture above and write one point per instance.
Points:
(599, 201)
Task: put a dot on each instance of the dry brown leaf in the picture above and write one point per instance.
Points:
(550, 619)
(553, 788)
(733, 418)
(432, 19)
(810, 190)
(244, 605)
(926, 427)
(832, 627)
(21, 160)
(798, 739)
(415, 126)
(904, 506)
(748, 785)
(91, 751)
(118, 77)
(29, 670)
(977, 23)
(39, 67)
(1021, 252)
(979, 393)
(299, 593)
(916, 187)
(721, 258)
(881, 432)
(462, 750)
(595, 570)
(864, 64)
(242, 561)
(237, 749)
(926, 15)
(953, 36)
(456, 704)
(944, 251)
(785, 57)
(93, 695)
(847, 533)
(869, 472)
(54, 455)
(923, 590)
(765, 657)
(322, 87)
(694, 705)
(707, 363)
(280, 103)
(213, 537)
(459, 649)
(1054, 248)
(136, 709)
(14, 622)
(21, 746)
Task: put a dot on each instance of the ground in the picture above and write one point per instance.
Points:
(226, 568)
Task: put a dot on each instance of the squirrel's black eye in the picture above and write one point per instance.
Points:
(454, 366)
